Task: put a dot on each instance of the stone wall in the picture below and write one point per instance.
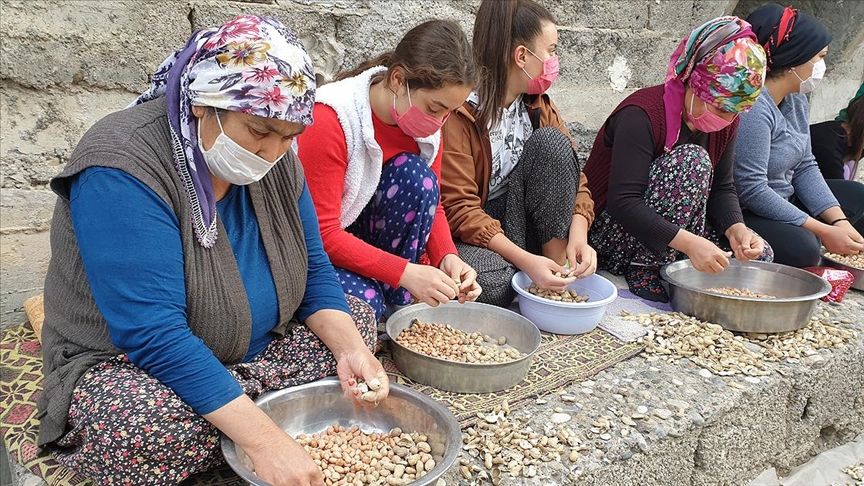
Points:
(66, 63)
(845, 59)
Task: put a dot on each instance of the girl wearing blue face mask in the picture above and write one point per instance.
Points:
(373, 161)
(504, 148)
(784, 196)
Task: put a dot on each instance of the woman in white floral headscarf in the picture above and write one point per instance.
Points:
(188, 275)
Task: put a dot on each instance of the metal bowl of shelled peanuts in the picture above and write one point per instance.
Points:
(771, 297)
(314, 407)
(503, 329)
(852, 264)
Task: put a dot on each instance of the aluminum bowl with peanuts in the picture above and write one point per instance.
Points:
(749, 296)
(405, 416)
(463, 348)
(853, 264)
(560, 316)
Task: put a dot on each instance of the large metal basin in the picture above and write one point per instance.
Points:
(797, 293)
(454, 376)
(856, 272)
(311, 408)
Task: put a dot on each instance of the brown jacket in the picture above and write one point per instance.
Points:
(466, 166)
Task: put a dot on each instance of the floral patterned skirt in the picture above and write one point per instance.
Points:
(128, 428)
(679, 184)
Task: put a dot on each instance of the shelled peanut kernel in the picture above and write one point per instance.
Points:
(742, 292)
(353, 457)
(446, 342)
(557, 295)
(856, 261)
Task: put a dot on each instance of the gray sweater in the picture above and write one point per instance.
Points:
(75, 336)
(773, 161)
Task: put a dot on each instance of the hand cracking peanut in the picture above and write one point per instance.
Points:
(366, 391)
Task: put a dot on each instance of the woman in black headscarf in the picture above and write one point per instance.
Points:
(783, 194)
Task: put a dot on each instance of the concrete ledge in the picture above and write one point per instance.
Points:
(715, 433)
(724, 435)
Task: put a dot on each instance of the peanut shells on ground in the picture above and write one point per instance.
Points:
(673, 336)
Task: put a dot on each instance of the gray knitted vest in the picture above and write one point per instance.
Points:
(75, 335)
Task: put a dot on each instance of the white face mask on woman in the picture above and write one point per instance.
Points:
(228, 161)
(809, 85)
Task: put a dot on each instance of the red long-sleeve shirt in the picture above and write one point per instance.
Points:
(324, 154)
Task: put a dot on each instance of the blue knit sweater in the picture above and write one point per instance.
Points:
(774, 162)
(131, 248)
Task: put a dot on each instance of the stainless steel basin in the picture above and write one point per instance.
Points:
(797, 292)
(470, 317)
(311, 408)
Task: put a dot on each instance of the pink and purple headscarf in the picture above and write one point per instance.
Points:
(723, 64)
(252, 65)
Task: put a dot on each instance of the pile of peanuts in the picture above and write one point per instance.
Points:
(856, 471)
(446, 342)
(674, 336)
(364, 390)
(557, 295)
(742, 292)
(351, 457)
(508, 445)
(856, 261)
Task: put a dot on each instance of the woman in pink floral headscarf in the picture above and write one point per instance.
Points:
(188, 276)
(660, 170)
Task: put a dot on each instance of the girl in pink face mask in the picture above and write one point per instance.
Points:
(660, 169)
(373, 164)
(711, 119)
(504, 149)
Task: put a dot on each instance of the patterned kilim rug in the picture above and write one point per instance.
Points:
(20, 386)
(560, 361)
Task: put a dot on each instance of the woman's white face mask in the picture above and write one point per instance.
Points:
(809, 85)
(232, 163)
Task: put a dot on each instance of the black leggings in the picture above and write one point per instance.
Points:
(798, 247)
(531, 213)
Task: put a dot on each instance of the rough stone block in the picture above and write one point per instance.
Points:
(670, 464)
(346, 4)
(680, 17)
(313, 22)
(587, 108)
(603, 14)
(821, 415)
(381, 27)
(40, 129)
(23, 211)
(588, 54)
(105, 44)
(23, 263)
(755, 419)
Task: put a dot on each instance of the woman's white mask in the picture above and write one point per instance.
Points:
(230, 162)
(809, 85)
